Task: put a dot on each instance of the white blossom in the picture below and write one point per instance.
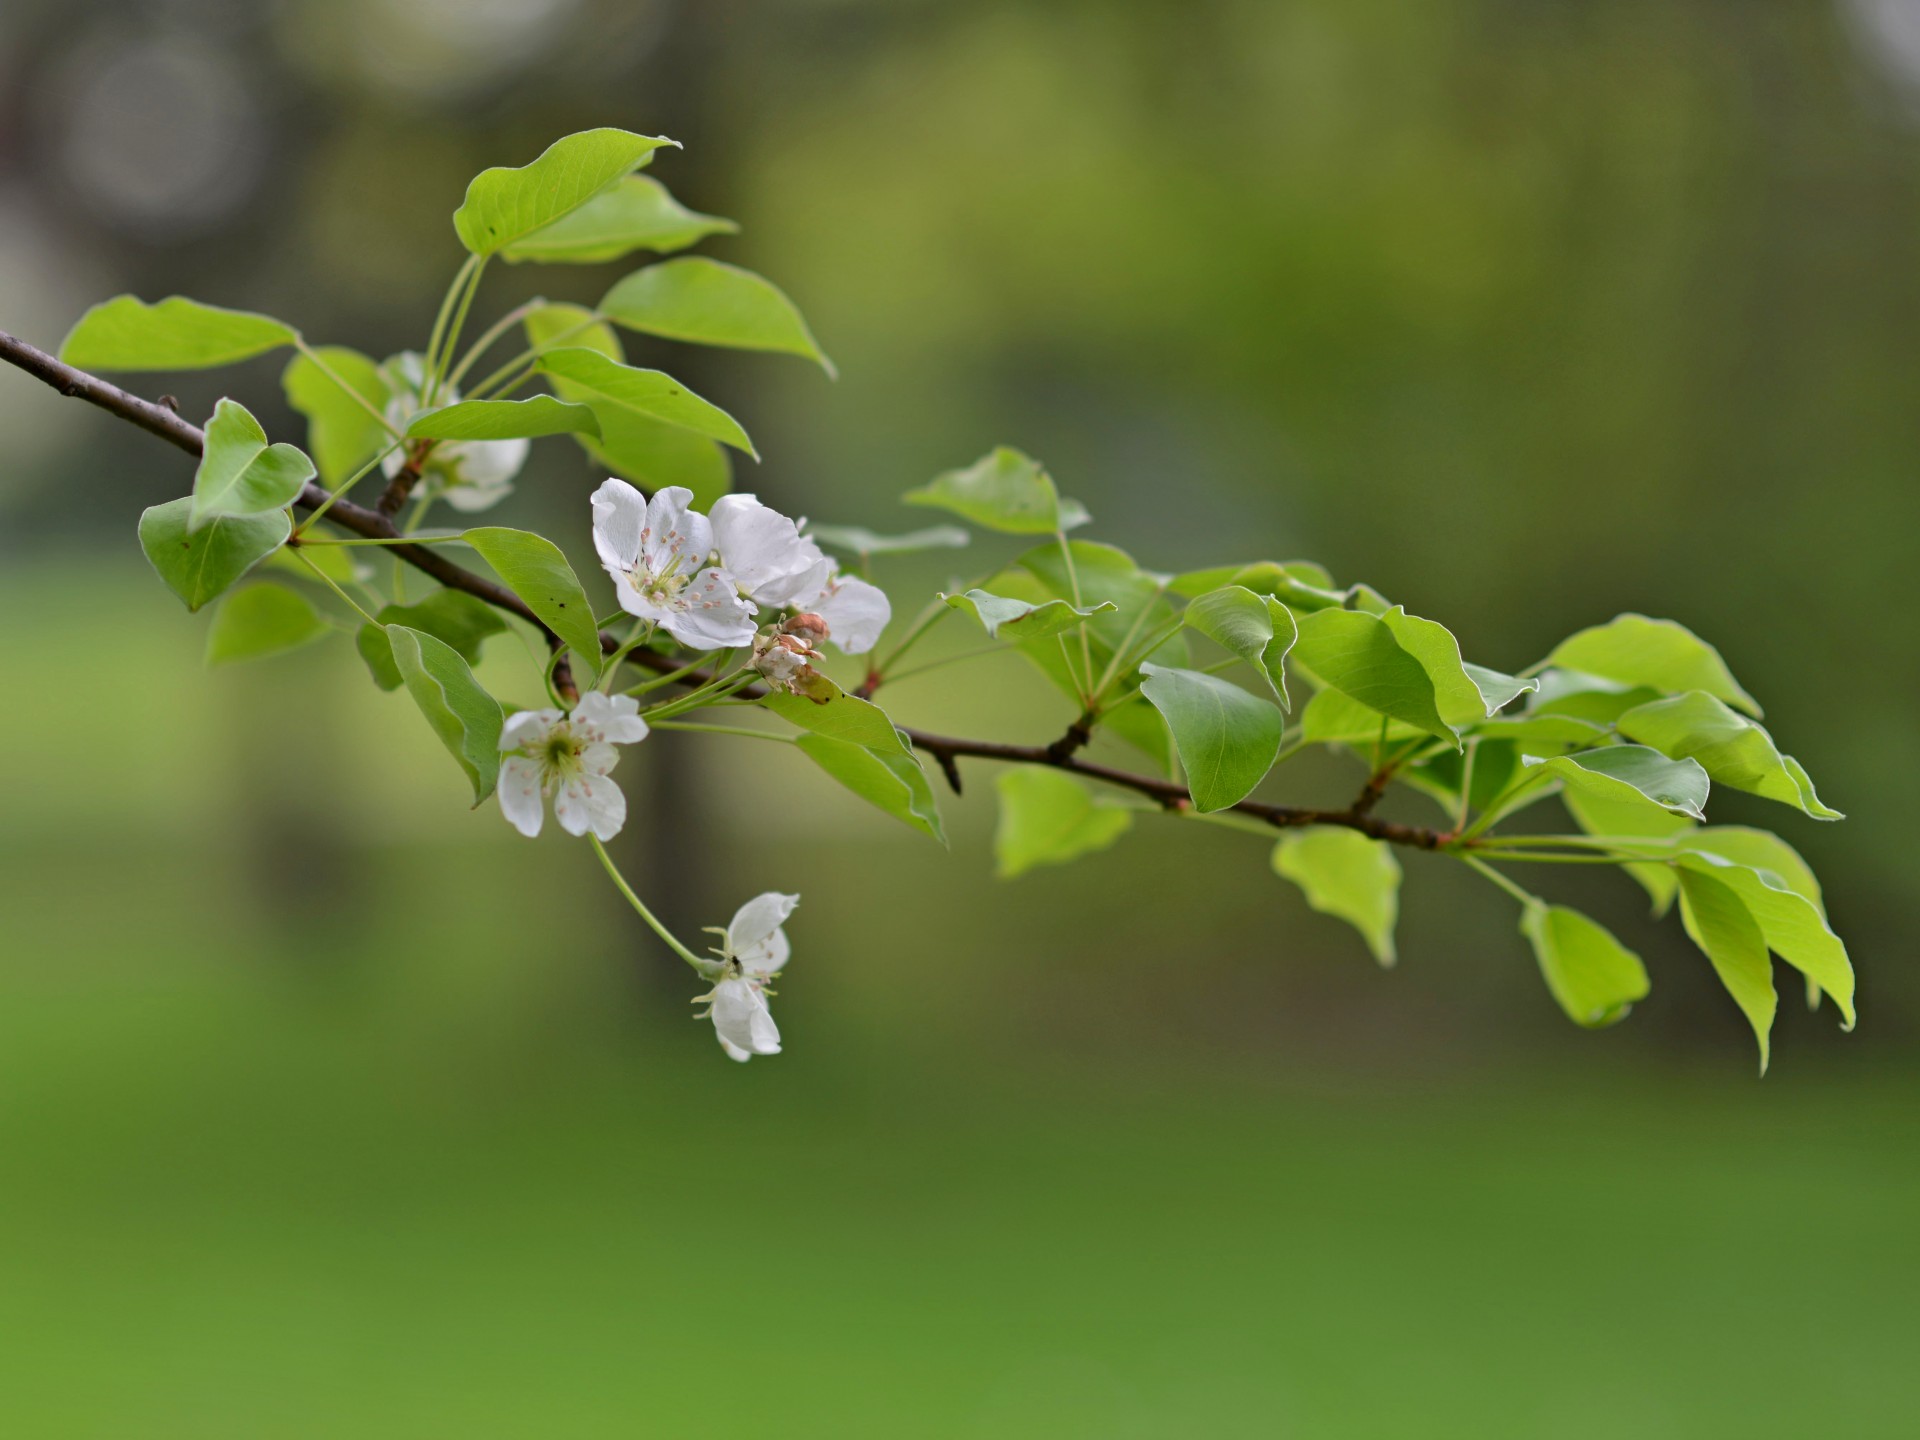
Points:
(658, 552)
(779, 567)
(568, 756)
(754, 951)
(470, 475)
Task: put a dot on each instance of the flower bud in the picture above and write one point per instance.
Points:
(807, 625)
(785, 660)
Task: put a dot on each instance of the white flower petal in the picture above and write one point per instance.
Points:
(490, 464)
(855, 612)
(754, 935)
(528, 727)
(741, 1019)
(674, 539)
(633, 602)
(614, 718)
(519, 792)
(619, 515)
(599, 758)
(734, 1052)
(590, 802)
(709, 614)
(803, 585)
(759, 546)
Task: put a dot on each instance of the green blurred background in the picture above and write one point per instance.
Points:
(330, 1108)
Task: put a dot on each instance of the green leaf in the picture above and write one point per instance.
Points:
(1622, 772)
(262, 620)
(1047, 818)
(1721, 925)
(1731, 748)
(1660, 654)
(465, 717)
(1360, 656)
(888, 778)
(1757, 850)
(857, 541)
(1464, 694)
(840, 716)
(126, 333)
(1138, 724)
(1334, 718)
(341, 435)
(505, 204)
(1495, 764)
(1595, 978)
(200, 564)
(452, 616)
(635, 447)
(240, 473)
(1101, 575)
(710, 303)
(1227, 738)
(1543, 734)
(634, 213)
(1004, 491)
(1285, 580)
(1008, 619)
(1793, 925)
(1576, 696)
(1631, 818)
(533, 567)
(1257, 628)
(527, 419)
(336, 562)
(608, 385)
(1347, 875)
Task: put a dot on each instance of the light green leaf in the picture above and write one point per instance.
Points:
(1257, 628)
(1360, 656)
(1543, 734)
(1138, 724)
(200, 564)
(452, 616)
(1285, 580)
(634, 213)
(527, 419)
(1623, 772)
(1495, 764)
(888, 778)
(506, 204)
(710, 303)
(1721, 925)
(1004, 491)
(1463, 694)
(1047, 818)
(1793, 925)
(262, 620)
(1595, 978)
(1008, 619)
(465, 717)
(1347, 875)
(1731, 748)
(606, 384)
(1660, 654)
(534, 567)
(341, 435)
(126, 333)
(635, 447)
(857, 541)
(240, 473)
(1757, 850)
(1227, 738)
(840, 716)
(1334, 718)
(1631, 818)
(1100, 575)
(1577, 696)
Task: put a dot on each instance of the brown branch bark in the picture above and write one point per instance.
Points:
(946, 750)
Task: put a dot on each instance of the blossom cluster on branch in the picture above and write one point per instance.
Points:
(1212, 679)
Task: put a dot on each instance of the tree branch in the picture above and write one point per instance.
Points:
(945, 749)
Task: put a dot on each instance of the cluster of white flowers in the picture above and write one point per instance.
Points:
(470, 475)
(703, 580)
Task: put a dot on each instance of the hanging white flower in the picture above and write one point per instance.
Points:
(658, 553)
(779, 567)
(568, 756)
(470, 475)
(754, 951)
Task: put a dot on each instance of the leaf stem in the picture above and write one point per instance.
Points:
(1502, 881)
(329, 583)
(300, 344)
